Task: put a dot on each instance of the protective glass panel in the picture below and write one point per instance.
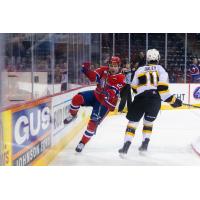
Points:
(121, 47)
(137, 45)
(42, 77)
(193, 57)
(157, 41)
(107, 47)
(16, 73)
(176, 57)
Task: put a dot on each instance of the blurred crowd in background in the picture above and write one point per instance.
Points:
(70, 50)
(52, 61)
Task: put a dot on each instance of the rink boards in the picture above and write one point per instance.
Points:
(188, 93)
(34, 133)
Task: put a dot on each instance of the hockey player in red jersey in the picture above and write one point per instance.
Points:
(103, 99)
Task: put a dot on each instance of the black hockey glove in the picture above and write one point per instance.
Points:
(177, 103)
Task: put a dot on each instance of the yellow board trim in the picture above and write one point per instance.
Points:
(46, 158)
(163, 107)
(7, 137)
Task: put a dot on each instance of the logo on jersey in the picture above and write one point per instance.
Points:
(196, 93)
(119, 85)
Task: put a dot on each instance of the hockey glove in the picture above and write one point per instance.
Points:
(85, 67)
(177, 103)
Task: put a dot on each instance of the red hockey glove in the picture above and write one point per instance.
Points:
(85, 67)
(110, 99)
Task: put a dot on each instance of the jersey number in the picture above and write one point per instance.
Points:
(149, 78)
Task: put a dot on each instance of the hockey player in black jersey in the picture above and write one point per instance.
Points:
(125, 94)
(150, 84)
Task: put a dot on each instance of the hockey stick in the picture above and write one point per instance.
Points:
(190, 105)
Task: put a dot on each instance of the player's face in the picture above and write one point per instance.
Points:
(113, 68)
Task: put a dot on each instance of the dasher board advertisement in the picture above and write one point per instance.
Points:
(31, 131)
(195, 93)
(60, 110)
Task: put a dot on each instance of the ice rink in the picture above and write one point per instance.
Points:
(173, 133)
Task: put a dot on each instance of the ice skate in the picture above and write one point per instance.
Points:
(144, 145)
(123, 151)
(69, 119)
(79, 147)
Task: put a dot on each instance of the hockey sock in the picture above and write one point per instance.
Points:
(91, 129)
(130, 131)
(85, 139)
(77, 101)
(147, 130)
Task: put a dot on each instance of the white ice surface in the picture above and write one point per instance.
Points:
(170, 144)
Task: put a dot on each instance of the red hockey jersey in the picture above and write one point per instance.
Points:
(108, 86)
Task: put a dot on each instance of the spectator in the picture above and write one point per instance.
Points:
(139, 60)
(194, 71)
(129, 72)
(57, 74)
(125, 93)
(64, 80)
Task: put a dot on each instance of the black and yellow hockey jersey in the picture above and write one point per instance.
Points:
(152, 77)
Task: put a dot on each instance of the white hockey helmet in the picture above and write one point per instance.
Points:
(153, 55)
